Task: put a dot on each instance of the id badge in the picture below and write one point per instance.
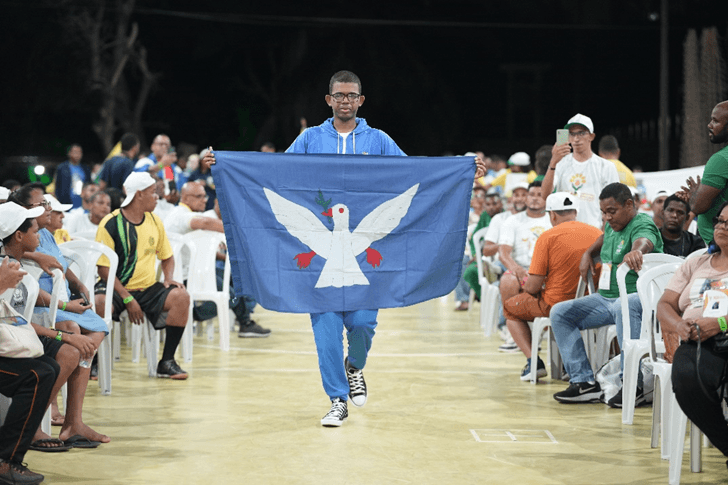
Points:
(605, 279)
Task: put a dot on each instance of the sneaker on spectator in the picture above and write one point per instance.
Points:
(503, 333)
(169, 369)
(540, 371)
(337, 415)
(357, 385)
(250, 329)
(509, 346)
(18, 473)
(580, 392)
(616, 401)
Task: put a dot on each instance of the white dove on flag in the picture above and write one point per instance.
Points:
(340, 247)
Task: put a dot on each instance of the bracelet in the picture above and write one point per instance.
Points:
(59, 337)
(723, 324)
(63, 307)
(552, 168)
(160, 165)
(128, 299)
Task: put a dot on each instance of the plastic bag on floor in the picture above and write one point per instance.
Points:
(608, 378)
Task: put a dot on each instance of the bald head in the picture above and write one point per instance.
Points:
(193, 195)
(160, 145)
(718, 126)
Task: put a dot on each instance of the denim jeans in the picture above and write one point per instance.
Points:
(462, 290)
(568, 318)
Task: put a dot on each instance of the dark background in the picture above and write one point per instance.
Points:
(435, 73)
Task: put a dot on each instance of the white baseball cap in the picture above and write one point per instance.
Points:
(562, 201)
(660, 193)
(13, 215)
(55, 205)
(580, 119)
(520, 158)
(4, 193)
(135, 182)
(521, 185)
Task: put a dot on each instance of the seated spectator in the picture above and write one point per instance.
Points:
(27, 381)
(493, 203)
(552, 275)
(189, 216)
(519, 172)
(478, 220)
(73, 315)
(680, 311)
(658, 204)
(516, 243)
(165, 304)
(203, 175)
(100, 206)
(676, 240)
(116, 169)
(627, 236)
(166, 198)
(58, 213)
(89, 189)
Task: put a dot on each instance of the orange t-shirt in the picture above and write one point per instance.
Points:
(557, 254)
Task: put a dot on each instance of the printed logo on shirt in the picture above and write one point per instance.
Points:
(577, 181)
(701, 285)
(620, 246)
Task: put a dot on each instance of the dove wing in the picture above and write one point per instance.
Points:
(301, 223)
(382, 220)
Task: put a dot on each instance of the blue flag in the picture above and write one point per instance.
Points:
(320, 233)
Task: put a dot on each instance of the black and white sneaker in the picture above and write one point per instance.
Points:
(250, 329)
(337, 415)
(580, 392)
(357, 385)
(616, 401)
(540, 371)
(169, 369)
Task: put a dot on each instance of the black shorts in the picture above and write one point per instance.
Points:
(51, 346)
(150, 300)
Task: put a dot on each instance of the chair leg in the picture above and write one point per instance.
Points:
(224, 326)
(136, 340)
(187, 339)
(656, 413)
(116, 340)
(677, 438)
(696, 465)
(629, 381)
(151, 345)
(105, 361)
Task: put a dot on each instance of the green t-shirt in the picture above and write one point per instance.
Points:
(715, 175)
(483, 222)
(617, 244)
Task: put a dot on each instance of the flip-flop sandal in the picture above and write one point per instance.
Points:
(78, 441)
(37, 445)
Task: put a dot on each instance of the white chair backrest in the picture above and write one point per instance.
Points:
(59, 288)
(86, 254)
(478, 239)
(582, 286)
(650, 286)
(697, 252)
(649, 261)
(182, 256)
(203, 250)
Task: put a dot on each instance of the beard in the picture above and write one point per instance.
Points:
(519, 207)
(720, 137)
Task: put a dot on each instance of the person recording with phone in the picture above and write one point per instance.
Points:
(579, 172)
(162, 162)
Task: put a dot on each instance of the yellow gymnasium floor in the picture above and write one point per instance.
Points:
(445, 407)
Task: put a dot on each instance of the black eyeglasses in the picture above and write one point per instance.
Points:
(45, 204)
(350, 96)
(720, 222)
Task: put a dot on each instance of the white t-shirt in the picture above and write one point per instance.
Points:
(495, 225)
(163, 208)
(78, 222)
(521, 232)
(178, 220)
(585, 180)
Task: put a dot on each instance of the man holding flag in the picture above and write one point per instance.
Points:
(345, 134)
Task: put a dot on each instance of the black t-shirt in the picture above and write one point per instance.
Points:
(686, 244)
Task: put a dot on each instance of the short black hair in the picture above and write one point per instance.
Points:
(344, 77)
(96, 194)
(11, 183)
(542, 159)
(129, 141)
(268, 144)
(535, 183)
(116, 196)
(23, 228)
(618, 191)
(675, 198)
(608, 144)
(70, 147)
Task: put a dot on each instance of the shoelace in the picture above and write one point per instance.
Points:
(356, 381)
(337, 409)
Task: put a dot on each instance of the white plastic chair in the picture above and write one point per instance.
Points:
(182, 258)
(634, 349)
(202, 280)
(489, 294)
(696, 253)
(650, 287)
(31, 285)
(85, 255)
(85, 235)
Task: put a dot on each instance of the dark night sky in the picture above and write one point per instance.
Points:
(434, 72)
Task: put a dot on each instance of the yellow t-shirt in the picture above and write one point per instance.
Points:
(61, 236)
(501, 180)
(625, 174)
(137, 245)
